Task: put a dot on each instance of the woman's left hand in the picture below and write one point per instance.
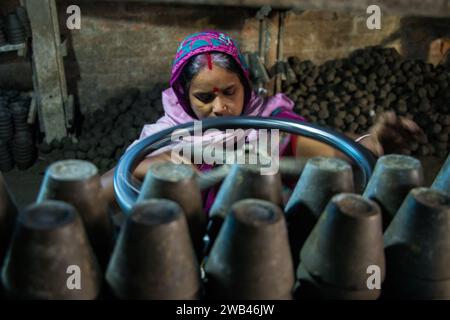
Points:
(392, 134)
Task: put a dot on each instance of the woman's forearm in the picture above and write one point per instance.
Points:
(307, 147)
(107, 179)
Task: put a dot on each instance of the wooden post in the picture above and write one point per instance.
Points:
(50, 83)
(272, 47)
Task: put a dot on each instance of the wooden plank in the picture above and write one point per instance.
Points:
(272, 47)
(12, 47)
(61, 48)
(47, 61)
(280, 77)
(58, 48)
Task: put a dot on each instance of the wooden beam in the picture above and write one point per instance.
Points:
(272, 48)
(50, 84)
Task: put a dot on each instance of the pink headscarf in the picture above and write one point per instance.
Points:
(206, 42)
(175, 108)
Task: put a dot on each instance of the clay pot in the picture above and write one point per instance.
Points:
(311, 288)
(251, 257)
(417, 245)
(77, 182)
(344, 243)
(177, 182)
(243, 181)
(49, 251)
(322, 178)
(154, 257)
(393, 177)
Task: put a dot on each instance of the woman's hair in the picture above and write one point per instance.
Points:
(200, 61)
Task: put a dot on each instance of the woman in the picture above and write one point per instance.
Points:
(210, 79)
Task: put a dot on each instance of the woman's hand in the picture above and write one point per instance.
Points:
(141, 170)
(392, 134)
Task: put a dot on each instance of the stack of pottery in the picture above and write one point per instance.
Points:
(14, 29)
(24, 150)
(6, 135)
(6, 125)
(19, 111)
(22, 14)
(3, 40)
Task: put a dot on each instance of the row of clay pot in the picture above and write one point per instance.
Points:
(71, 193)
(394, 177)
(249, 256)
(154, 257)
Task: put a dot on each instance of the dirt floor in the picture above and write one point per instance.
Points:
(25, 184)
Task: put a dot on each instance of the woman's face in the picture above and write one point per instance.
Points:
(216, 92)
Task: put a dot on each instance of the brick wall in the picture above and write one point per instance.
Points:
(132, 45)
(320, 36)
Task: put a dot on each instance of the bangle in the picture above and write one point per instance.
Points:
(363, 137)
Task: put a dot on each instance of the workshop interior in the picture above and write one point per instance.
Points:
(96, 203)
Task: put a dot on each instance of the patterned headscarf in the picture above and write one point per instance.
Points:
(203, 42)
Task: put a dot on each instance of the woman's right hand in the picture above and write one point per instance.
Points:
(107, 179)
(142, 169)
